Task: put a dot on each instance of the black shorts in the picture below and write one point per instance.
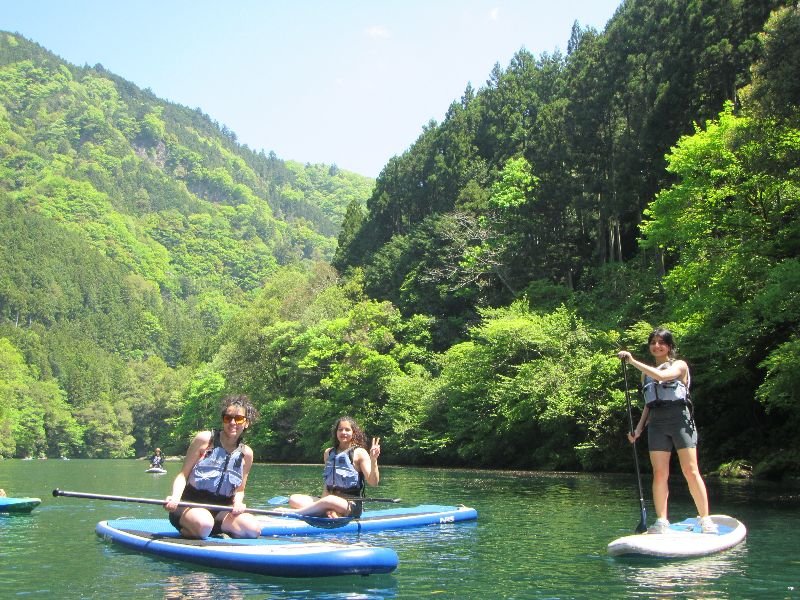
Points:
(671, 426)
(191, 494)
(356, 508)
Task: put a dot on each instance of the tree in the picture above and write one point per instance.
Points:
(775, 90)
(730, 226)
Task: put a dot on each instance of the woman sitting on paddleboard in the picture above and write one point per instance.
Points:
(215, 472)
(348, 465)
(668, 416)
(157, 460)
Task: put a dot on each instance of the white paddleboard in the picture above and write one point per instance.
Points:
(684, 540)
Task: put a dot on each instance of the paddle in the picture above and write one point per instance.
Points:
(323, 522)
(642, 526)
(278, 500)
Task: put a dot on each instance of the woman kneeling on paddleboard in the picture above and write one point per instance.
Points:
(215, 472)
(348, 465)
(668, 416)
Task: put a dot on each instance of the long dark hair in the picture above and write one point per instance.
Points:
(359, 439)
(666, 336)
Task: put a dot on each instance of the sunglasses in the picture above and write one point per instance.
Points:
(238, 419)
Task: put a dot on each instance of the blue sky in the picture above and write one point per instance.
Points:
(346, 82)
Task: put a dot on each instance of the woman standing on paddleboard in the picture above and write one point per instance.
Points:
(215, 471)
(348, 466)
(668, 416)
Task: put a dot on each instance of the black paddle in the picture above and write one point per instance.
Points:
(324, 522)
(278, 500)
(642, 526)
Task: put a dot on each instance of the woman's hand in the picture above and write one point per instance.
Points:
(632, 437)
(624, 355)
(170, 504)
(375, 449)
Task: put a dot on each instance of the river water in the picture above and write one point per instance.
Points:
(538, 535)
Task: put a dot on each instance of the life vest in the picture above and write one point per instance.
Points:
(663, 392)
(219, 472)
(340, 474)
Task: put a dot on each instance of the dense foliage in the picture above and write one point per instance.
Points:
(132, 230)
(471, 311)
(650, 174)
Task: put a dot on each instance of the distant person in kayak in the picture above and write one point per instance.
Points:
(668, 416)
(157, 461)
(348, 466)
(2, 493)
(215, 471)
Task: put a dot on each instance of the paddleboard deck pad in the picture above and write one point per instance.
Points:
(684, 540)
(370, 520)
(266, 556)
(18, 505)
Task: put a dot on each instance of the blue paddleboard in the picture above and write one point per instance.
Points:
(370, 520)
(267, 556)
(18, 505)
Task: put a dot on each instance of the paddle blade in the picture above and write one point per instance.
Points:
(278, 500)
(642, 526)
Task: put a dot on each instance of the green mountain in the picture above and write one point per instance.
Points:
(134, 226)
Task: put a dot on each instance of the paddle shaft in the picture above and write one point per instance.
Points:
(643, 523)
(284, 499)
(256, 511)
(359, 499)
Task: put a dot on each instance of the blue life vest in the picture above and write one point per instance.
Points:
(663, 392)
(340, 475)
(219, 472)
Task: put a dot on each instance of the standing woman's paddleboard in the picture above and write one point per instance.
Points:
(682, 540)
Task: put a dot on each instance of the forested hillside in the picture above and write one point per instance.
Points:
(647, 176)
(132, 229)
(472, 310)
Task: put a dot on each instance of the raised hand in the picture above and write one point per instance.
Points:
(375, 449)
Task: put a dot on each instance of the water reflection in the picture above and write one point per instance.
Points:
(199, 585)
(655, 578)
(204, 585)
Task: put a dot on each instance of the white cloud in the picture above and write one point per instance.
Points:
(378, 32)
